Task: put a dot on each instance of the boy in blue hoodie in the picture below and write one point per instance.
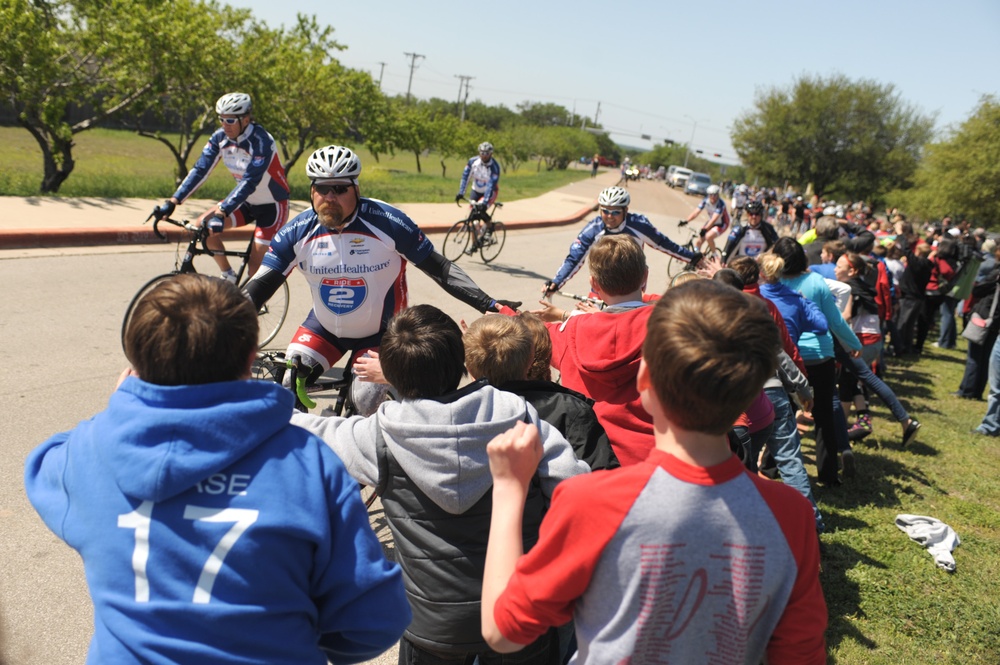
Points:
(211, 530)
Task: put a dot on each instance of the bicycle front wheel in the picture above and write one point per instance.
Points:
(675, 266)
(272, 315)
(146, 288)
(490, 249)
(457, 241)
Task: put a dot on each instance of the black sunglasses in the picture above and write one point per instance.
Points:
(324, 190)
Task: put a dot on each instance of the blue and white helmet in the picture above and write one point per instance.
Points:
(234, 103)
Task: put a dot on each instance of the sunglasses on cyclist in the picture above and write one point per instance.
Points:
(230, 121)
(325, 190)
(609, 211)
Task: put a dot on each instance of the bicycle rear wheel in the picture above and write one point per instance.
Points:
(146, 288)
(457, 241)
(492, 244)
(272, 315)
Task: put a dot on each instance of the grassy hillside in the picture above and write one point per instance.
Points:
(112, 163)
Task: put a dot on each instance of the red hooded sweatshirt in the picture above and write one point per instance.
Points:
(598, 355)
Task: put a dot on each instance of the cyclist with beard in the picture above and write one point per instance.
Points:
(353, 252)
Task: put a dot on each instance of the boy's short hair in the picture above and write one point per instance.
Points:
(498, 349)
(730, 277)
(709, 349)
(618, 264)
(191, 329)
(746, 267)
(422, 353)
(835, 248)
(541, 366)
(684, 276)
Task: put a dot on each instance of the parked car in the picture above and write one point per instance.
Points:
(677, 176)
(604, 161)
(698, 183)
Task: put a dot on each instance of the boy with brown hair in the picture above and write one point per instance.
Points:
(500, 350)
(685, 556)
(598, 353)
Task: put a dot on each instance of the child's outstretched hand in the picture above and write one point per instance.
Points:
(515, 454)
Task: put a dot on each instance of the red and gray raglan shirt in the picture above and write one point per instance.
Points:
(667, 562)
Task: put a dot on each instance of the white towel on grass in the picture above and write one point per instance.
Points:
(939, 538)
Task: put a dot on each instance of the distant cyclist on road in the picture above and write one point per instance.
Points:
(485, 174)
(261, 192)
(614, 218)
(740, 197)
(718, 218)
(353, 253)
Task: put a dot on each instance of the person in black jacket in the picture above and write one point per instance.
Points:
(752, 238)
(977, 356)
(513, 354)
(912, 296)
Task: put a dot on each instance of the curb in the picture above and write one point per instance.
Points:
(92, 237)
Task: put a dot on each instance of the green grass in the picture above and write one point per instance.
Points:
(112, 164)
(888, 602)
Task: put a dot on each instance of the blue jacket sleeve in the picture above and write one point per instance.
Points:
(44, 472)
(465, 176)
(494, 179)
(835, 320)
(200, 171)
(578, 251)
(640, 227)
(359, 593)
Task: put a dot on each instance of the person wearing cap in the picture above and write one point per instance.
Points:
(614, 218)
(261, 193)
(353, 253)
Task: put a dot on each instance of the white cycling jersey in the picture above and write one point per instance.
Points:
(357, 276)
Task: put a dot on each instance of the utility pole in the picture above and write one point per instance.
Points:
(380, 72)
(690, 147)
(597, 114)
(463, 80)
(413, 65)
(465, 101)
(572, 117)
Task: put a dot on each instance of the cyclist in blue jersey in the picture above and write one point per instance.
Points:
(353, 253)
(614, 217)
(261, 192)
(750, 239)
(484, 172)
(718, 218)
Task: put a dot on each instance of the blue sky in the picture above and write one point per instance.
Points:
(656, 68)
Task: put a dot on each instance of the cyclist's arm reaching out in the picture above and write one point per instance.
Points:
(263, 285)
(456, 282)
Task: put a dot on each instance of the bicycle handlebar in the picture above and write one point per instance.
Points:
(296, 378)
(200, 233)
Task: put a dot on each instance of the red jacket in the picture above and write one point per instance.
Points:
(598, 355)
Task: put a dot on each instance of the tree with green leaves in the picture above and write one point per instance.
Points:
(856, 139)
(188, 81)
(960, 175)
(558, 146)
(66, 65)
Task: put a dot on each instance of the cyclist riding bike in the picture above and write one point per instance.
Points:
(718, 218)
(614, 217)
(484, 171)
(750, 239)
(261, 192)
(353, 253)
(740, 197)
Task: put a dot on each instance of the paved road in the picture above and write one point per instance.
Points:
(60, 326)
